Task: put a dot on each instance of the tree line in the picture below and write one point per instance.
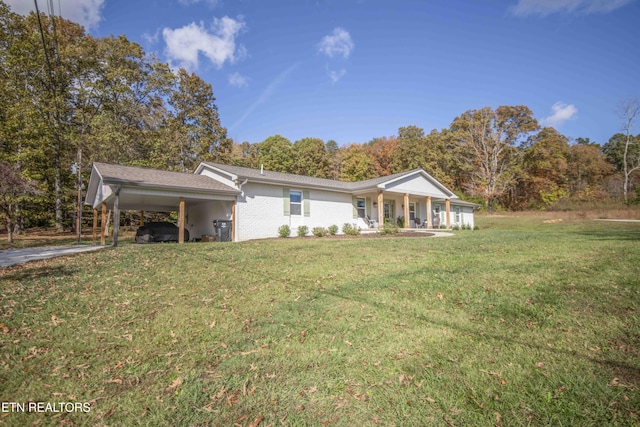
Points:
(69, 99)
(494, 157)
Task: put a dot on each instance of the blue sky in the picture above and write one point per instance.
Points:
(354, 70)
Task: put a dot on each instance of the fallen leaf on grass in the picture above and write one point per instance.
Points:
(498, 418)
(257, 421)
(174, 385)
(56, 320)
(4, 328)
(109, 412)
(439, 296)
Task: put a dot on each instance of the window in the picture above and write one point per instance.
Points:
(457, 210)
(295, 202)
(412, 211)
(361, 208)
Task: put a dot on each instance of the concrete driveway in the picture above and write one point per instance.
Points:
(10, 257)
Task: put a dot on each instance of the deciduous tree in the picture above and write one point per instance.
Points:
(356, 164)
(276, 154)
(310, 158)
(195, 124)
(13, 188)
(489, 138)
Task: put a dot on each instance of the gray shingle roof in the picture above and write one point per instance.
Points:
(308, 181)
(280, 177)
(135, 176)
(288, 178)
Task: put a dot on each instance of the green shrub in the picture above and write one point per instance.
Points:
(389, 228)
(475, 227)
(284, 231)
(303, 230)
(350, 229)
(333, 229)
(455, 227)
(319, 231)
(400, 222)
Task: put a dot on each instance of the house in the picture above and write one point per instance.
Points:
(258, 201)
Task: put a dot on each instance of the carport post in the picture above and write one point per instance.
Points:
(116, 217)
(429, 223)
(233, 221)
(103, 240)
(181, 221)
(95, 226)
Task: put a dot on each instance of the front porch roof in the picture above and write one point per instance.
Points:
(151, 189)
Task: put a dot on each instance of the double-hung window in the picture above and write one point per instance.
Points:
(361, 208)
(295, 202)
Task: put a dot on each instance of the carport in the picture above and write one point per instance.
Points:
(132, 188)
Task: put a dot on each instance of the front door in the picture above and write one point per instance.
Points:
(389, 211)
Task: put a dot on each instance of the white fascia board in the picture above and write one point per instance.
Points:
(226, 175)
(95, 181)
(202, 195)
(435, 182)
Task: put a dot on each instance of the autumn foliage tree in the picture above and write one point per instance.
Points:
(490, 138)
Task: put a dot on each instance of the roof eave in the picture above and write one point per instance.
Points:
(128, 183)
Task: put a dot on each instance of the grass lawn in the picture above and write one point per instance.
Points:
(520, 323)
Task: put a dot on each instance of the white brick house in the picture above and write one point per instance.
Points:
(258, 201)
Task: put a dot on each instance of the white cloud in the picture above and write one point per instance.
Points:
(185, 44)
(87, 13)
(152, 38)
(237, 80)
(560, 113)
(548, 7)
(212, 3)
(337, 43)
(336, 75)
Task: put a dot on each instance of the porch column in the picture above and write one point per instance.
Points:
(447, 204)
(428, 219)
(116, 217)
(380, 209)
(103, 224)
(141, 218)
(233, 221)
(95, 226)
(181, 221)
(407, 223)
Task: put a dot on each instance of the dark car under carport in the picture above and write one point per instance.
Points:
(153, 232)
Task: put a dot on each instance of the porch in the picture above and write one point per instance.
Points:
(409, 211)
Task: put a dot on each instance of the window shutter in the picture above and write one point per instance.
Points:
(354, 202)
(369, 210)
(306, 203)
(286, 202)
